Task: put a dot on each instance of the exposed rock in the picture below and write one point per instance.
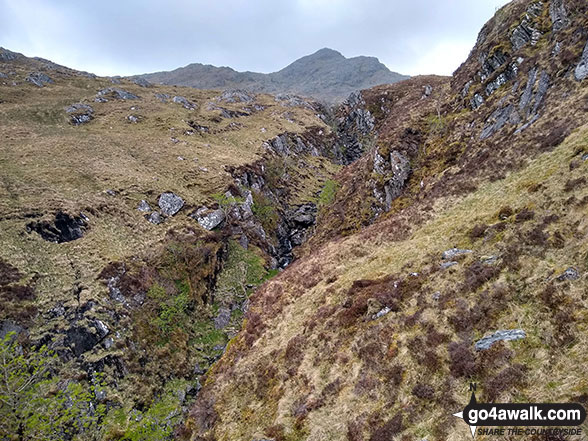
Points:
(581, 71)
(115, 93)
(64, 228)
(209, 219)
(569, 274)
(488, 341)
(133, 119)
(454, 252)
(142, 82)
(170, 204)
(163, 97)
(542, 89)
(227, 113)
(528, 93)
(144, 206)
(449, 264)
(184, 102)
(396, 171)
(6, 55)
(236, 96)
(354, 129)
(305, 215)
(80, 113)
(39, 79)
(8, 326)
(82, 339)
(155, 218)
(476, 101)
(381, 313)
(497, 121)
(288, 100)
(527, 31)
(223, 318)
(427, 91)
(559, 15)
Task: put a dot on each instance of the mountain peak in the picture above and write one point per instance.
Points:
(327, 53)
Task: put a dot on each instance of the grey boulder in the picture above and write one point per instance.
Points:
(80, 113)
(144, 206)
(454, 252)
(155, 218)
(116, 93)
(209, 219)
(569, 274)
(170, 203)
(503, 335)
(39, 79)
(184, 102)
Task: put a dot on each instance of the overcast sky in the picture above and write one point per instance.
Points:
(127, 37)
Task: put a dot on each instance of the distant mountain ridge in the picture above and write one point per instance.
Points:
(325, 75)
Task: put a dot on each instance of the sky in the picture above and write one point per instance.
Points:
(127, 37)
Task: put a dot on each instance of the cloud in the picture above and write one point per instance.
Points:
(129, 37)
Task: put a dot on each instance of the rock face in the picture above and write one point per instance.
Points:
(581, 71)
(559, 15)
(488, 341)
(39, 79)
(354, 129)
(64, 228)
(394, 171)
(80, 113)
(527, 31)
(209, 219)
(170, 204)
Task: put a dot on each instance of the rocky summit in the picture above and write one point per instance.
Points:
(234, 265)
(325, 75)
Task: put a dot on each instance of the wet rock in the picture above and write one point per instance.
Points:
(223, 318)
(80, 113)
(81, 339)
(305, 215)
(142, 82)
(144, 206)
(559, 15)
(209, 219)
(64, 228)
(236, 96)
(454, 252)
(570, 274)
(170, 204)
(184, 102)
(503, 335)
(39, 79)
(116, 93)
(155, 218)
(581, 70)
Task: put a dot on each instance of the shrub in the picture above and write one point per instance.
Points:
(387, 431)
(462, 361)
(423, 391)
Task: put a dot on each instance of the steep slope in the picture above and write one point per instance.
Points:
(465, 215)
(134, 221)
(325, 75)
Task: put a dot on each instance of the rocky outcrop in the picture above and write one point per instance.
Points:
(39, 79)
(114, 93)
(488, 341)
(559, 15)
(64, 228)
(80, 113)
(236, 96)
(581, 71)
(209, 219)
(184, 102)
(393, 172)
(528, 30)
(354, 129)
